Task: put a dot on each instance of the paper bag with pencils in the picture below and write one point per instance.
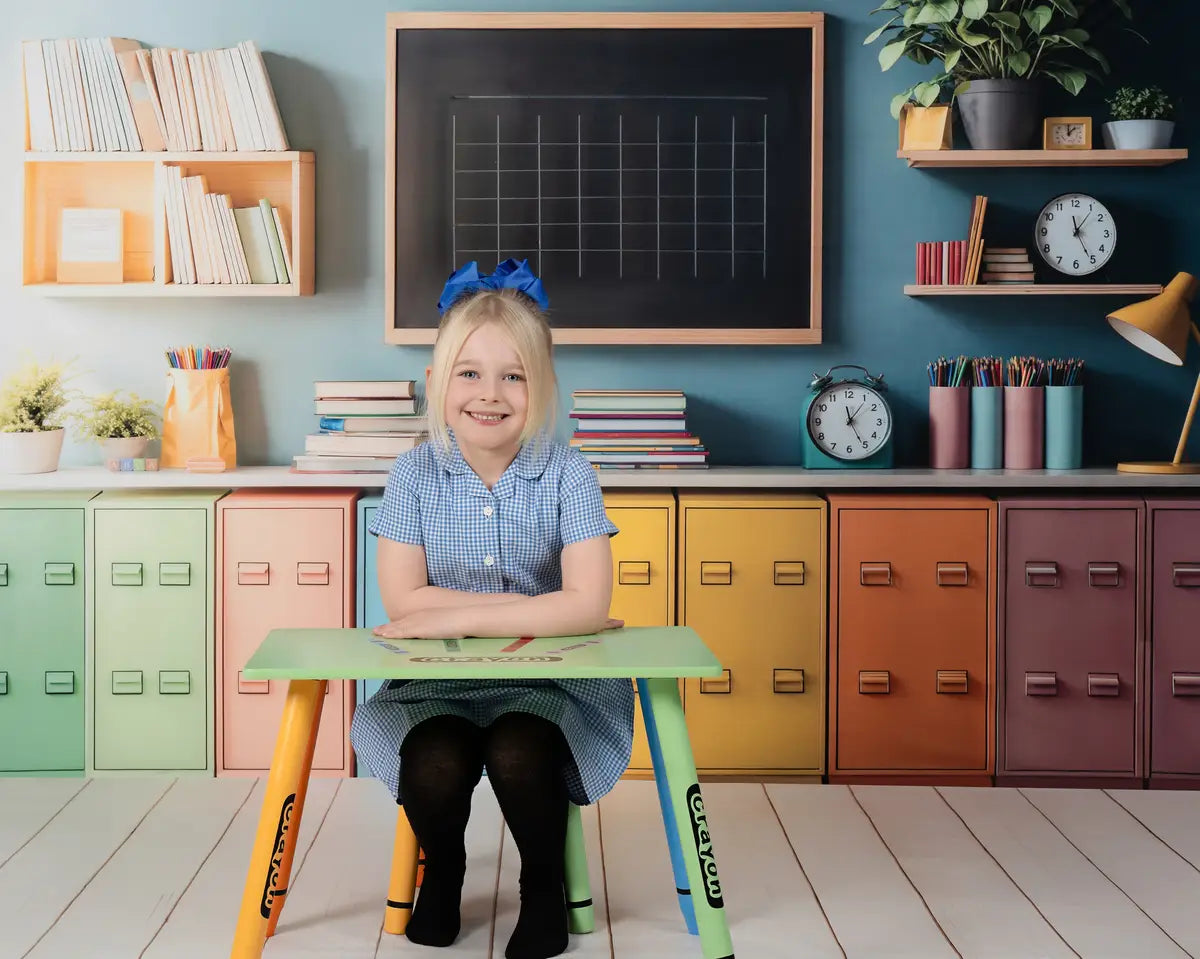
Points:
(198, 418)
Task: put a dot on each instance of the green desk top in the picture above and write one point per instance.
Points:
(635, 652)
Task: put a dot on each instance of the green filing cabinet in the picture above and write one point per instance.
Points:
(42, 633)
(150, 653)
(370, 604)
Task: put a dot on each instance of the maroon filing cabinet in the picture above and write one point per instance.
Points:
(1071, 694)
(1174, 642)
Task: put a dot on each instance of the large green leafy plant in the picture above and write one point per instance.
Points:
(993, 40)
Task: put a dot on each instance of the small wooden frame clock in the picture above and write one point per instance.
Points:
(1067, 133)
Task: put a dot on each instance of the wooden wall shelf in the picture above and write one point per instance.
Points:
(134, 181)
(1037, 289)
(1040, 158)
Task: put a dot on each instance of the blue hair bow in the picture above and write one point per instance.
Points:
(509, 275)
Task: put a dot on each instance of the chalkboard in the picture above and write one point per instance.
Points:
(660, 172)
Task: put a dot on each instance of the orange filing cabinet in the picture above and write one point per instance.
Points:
(284, 559)
(912, 638)
(752, 584)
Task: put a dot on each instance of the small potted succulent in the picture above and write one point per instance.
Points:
(1142, 119)
(122, 427)
(33, 404)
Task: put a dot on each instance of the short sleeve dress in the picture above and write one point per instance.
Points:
(507, 539)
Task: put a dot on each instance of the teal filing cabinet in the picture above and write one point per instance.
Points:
(370, 604)
(42, 590)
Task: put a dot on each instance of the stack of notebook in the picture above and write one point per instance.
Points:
(635, 429)
(364, 426)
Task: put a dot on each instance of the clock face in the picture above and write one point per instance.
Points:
(849, 421)
(1075, 234)
(1068, 135)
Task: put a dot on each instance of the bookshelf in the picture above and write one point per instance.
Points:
(135, 182)
(1040, 158)
(1036, 289)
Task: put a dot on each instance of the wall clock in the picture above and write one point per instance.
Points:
(848, 423)
(1075, 234)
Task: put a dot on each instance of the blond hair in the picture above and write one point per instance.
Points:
(519, 318)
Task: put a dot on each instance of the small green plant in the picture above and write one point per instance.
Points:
(34, 398)
(1140, 103)
(110, 417)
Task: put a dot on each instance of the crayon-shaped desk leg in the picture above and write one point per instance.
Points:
(663, 714)
(279, 821)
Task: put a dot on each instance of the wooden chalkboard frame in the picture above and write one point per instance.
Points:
(799, 335)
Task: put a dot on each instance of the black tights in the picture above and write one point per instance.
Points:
(441, 762)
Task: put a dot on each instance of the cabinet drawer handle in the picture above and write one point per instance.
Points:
(127, 682)
(1104, 575)
(253, 685)
(788, 680)
(1104, 684)
(1041, 569)
(874, 682)
(789, 573)
(952, 574)
(174, 682)
(1180, 571)
(174, 574)
(254, 574)
(60, 682)
(60, 574)
(3, 682)
(716, 574)
(312, 574)
(127, 574)
(722, 685)
(1185, 684)
(633, 572)
(1041, 684)
(952, 681)
(3, 574)
(875, 574)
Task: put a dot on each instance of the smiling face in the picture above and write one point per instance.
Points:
(487, 396)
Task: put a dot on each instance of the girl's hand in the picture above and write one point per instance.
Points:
(436, 623)
(611, 623)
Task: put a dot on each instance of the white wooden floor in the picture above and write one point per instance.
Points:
(154, 868)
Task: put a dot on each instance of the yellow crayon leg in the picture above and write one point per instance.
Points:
(277, 821)
(402, 886)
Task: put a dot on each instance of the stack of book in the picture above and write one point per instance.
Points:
(635, 429)
(1007, 264)
(108, 94)
(364, 426)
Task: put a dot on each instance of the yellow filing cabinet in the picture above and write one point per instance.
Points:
(643, 576)
(752, 584)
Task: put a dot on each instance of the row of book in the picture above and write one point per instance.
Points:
(635, 429)
(956, 262)
(111, 94)
(363, 425)
(211, 241)
(945, 262)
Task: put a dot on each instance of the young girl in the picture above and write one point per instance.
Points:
(492, 529)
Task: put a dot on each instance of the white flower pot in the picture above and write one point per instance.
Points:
(35, 452)
(1138, 134)
(123, 447)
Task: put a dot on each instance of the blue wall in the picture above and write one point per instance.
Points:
(327, 65)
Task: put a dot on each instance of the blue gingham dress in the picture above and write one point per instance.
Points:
(507, 539)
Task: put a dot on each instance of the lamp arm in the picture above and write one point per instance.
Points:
(1191, 413)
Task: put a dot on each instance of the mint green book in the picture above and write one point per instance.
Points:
(274, 239)
(256, 244)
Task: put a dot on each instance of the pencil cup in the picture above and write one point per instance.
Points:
(987, 427)
(949, 427)
(1024, 427)
(198, 418)
(1064, 427)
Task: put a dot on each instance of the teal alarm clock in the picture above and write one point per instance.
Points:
(848, 423)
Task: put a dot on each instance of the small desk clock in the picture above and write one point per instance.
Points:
(848, 424)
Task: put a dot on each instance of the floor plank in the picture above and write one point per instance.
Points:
(1166, 887)
(202, 924)
(1172, 815)
(28, 805)
(1068, 890)
(40, 881)
(873, 908)
(124, 905)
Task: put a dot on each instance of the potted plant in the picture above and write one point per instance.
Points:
(122, 427)
(996, 54)
(1142, 119)
(32, 410)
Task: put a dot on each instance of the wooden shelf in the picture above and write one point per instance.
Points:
(144, 288)
(1037, 289)
(1040, 158)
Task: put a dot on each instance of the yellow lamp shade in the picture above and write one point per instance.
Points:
(1160, 325)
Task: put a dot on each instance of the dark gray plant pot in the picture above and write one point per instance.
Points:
(1000, 114)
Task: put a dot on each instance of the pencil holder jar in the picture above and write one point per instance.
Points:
(198, 418)
(1064, 427)
(1024, 427)
(949, 427)
(987, 427)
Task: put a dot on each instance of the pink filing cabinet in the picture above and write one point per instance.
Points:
(1071, 693)
(284, 559)
(1174, 642)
